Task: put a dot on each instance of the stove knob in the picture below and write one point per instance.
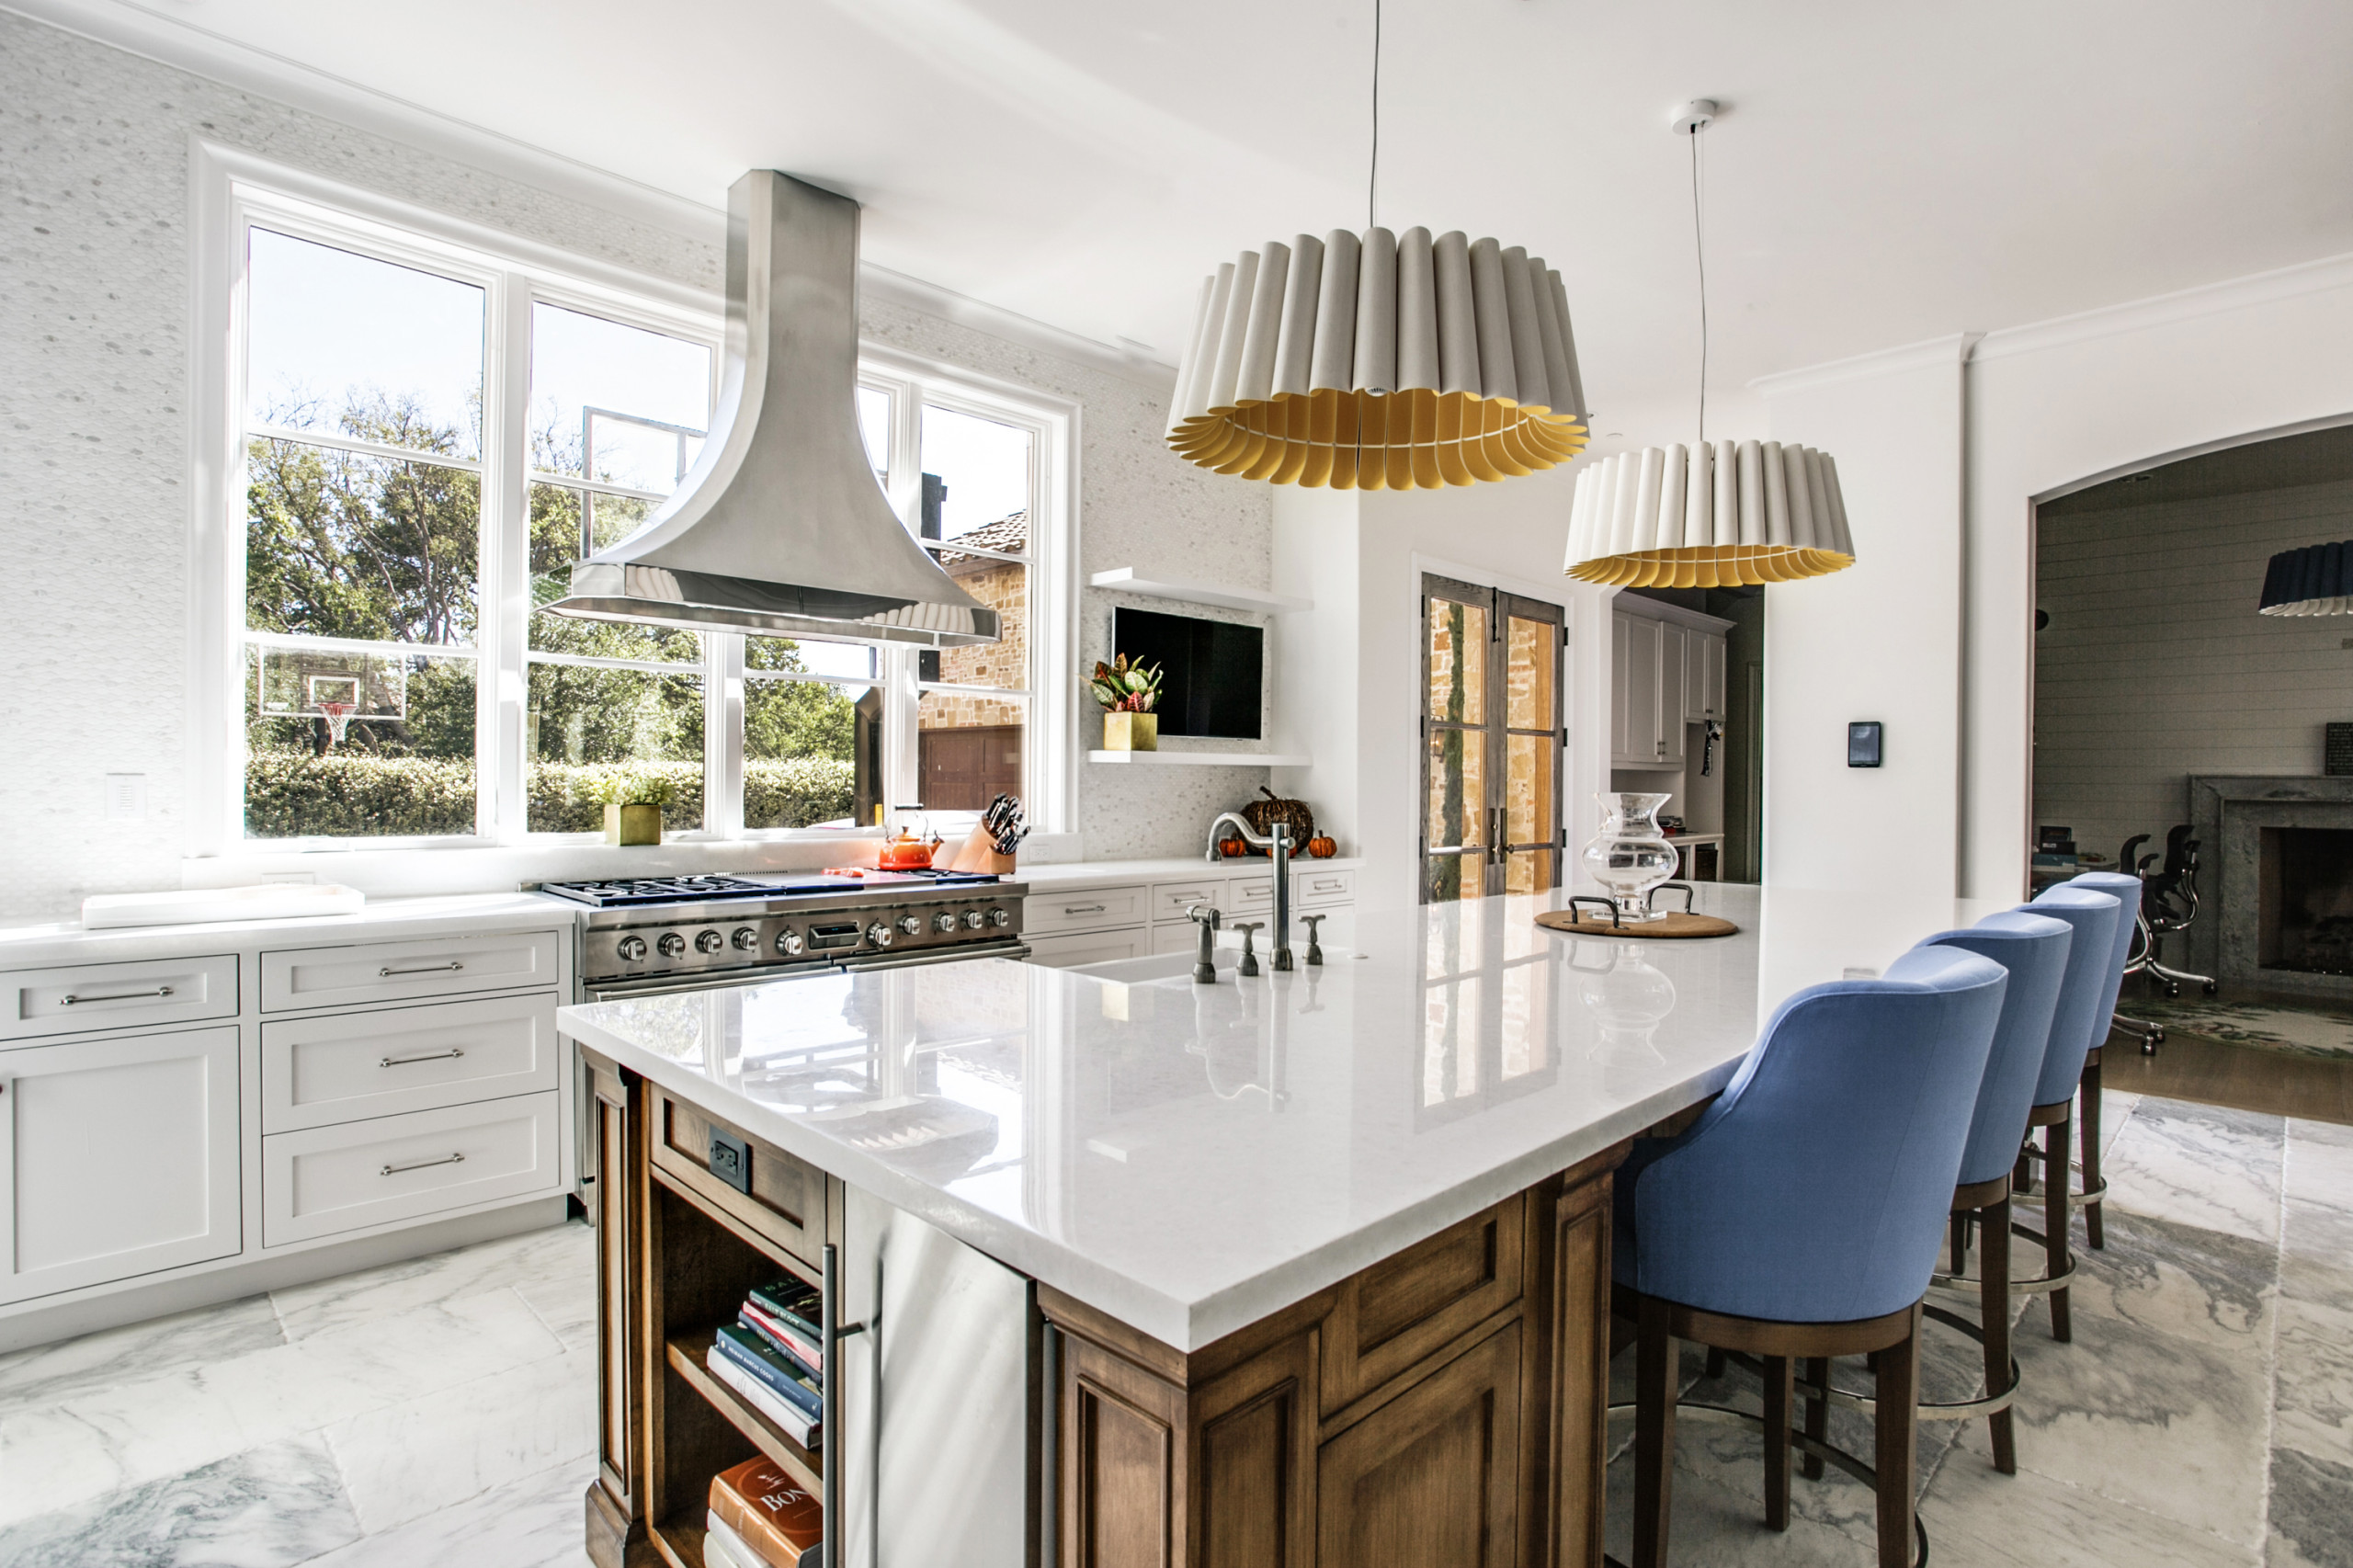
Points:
(910, 924)
(632, 949)
(944, 922)
(1000, 919)
(788, 943)
(747, 939)
(879, 934)
(671, 944)
(974, 919)
(709, 941)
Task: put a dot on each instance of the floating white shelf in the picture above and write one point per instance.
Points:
(1123, 579)
(1200, 759)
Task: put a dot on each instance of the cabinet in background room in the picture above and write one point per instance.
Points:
(1703, 676)
(1646, 697)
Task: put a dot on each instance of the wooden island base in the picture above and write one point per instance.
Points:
(1445, 1406)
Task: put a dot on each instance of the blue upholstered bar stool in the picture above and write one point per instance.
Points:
(2126, 891)
(2087, 996)
(2033, 949)
(1802, 1216)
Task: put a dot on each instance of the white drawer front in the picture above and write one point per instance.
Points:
(1170, 900)
(315, 1072)
(1313, 887)
(1182, 937)
(395, 971)
(1250, 895)
(326, 1180)
(119, 995)
(1094, 909)
(1068, 952)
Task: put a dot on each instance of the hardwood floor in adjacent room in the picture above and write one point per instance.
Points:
(2246, 1077)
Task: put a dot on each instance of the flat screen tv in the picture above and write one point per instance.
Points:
(1211, 670)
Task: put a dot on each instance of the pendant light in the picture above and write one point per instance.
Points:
(2316, 580)
(1379, 361)
(1708, 516)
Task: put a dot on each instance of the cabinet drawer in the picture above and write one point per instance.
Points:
(786, 1203)
(1101, 947)
(315, 1072)
(1408, 1307)
(1311, 888)
(119, 995)
(396, 971)
(1249, 895)
(322, 1181)
(1170, 900)
(1091, 909)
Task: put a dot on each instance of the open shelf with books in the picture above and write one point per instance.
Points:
(689, 1354)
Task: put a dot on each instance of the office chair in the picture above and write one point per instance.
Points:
(2169, 904)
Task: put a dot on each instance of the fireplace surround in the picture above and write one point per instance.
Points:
(2275, 883)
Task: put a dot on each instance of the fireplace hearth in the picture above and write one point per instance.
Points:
(2306, 912)
(2275, 908)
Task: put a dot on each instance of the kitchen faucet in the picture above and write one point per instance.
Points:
(1276, 841)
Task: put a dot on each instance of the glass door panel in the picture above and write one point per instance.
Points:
(1491, 722)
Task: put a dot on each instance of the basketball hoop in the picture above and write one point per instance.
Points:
(338, 718)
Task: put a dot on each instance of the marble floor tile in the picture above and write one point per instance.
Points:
(1712, 1527)
(1978, 1517)
(2312, 1513)
(45, 1374)
(267, 1507)
(144, 1430)
(2171, 1425)
(555, 1257)
(2156, 1274)
(2320, 1162)
(2200, 1165)
(533, 1522)
(2313, 1408)
(404, 1461)
(2116, 1107)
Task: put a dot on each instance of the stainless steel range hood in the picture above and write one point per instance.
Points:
(780, 528)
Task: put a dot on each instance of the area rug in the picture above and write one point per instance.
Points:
(2318, 1028)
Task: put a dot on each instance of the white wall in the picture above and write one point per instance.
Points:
(2155, 665)
(1879, 641)
(94, 461)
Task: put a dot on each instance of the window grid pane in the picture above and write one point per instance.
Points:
(403, 765)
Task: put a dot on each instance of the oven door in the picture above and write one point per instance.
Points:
(1011, 947)
(671, 984)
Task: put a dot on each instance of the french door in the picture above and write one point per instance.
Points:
(1492, 742)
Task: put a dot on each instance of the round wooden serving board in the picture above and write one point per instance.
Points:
(1666, 928)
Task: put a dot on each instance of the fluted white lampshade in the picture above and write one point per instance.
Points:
(1712, 515)
(1395, 362)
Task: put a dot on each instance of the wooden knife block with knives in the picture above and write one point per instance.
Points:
(989, 849)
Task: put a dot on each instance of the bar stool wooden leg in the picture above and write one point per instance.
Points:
(1894, 1423)
(1817, 1415)
(1655, 1393)
(1995, 1305)
(2058, 1188)
(2088, 1097)
(1778, 1372)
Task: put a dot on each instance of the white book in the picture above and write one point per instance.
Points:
(772, 1406)
(721, 1549)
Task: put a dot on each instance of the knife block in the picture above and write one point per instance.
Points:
(978, 854)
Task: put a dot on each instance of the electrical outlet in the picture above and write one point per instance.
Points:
(125, 796)
(731, 1161)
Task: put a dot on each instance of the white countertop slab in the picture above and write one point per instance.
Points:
(1190, 1158)
(64, 942)
(1050, 879)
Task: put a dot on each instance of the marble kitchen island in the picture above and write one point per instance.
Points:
(1307, 1268)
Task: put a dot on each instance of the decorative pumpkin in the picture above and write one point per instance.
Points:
(1262, 815)
(1233, 848)
(1322, 847)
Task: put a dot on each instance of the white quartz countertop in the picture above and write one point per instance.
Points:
(1106, 873)
(382, 919)
(1190, 1158)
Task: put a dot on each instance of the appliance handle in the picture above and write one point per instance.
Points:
(945, 955)
(833, 1331)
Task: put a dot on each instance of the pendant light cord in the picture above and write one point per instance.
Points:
(1372, 171)
(1700, 249)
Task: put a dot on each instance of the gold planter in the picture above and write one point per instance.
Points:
(634, 825)
(1130, 732)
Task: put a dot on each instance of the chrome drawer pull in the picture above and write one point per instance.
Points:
(424, 1165)
(427, 969)
(69, 999)
(1083, 909)
(449, 1055)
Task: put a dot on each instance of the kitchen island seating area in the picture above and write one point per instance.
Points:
(1264, 1323)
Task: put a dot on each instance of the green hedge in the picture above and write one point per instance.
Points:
(295, 795)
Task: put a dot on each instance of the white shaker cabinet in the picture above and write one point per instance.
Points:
(118, 1157)
(1703, 676)
(1646, 697)
(1673, 645)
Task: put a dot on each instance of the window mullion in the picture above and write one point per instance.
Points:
(723, 734)
(502, 685)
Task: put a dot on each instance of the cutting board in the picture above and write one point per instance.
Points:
(269, 901)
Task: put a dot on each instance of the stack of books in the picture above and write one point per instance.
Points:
(772, 1355)
(758, 1519)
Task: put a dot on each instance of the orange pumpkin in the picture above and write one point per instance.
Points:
(1322, 847)
(1233, 848)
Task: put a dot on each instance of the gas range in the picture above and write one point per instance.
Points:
(647, 935)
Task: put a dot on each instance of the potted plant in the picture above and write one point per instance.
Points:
(1129, 693)
(633, 799)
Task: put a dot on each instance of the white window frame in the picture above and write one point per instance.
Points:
(232, 189)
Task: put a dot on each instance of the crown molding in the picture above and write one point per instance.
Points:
(2165, 310)
(1952, 349)
(177, 42)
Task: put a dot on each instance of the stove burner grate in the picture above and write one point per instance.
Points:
(657, 890)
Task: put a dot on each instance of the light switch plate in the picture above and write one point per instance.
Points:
(125, 796)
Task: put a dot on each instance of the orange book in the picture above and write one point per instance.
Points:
(772, 1514)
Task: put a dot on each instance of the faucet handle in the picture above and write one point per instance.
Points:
(1314, 944)
(1249, 964)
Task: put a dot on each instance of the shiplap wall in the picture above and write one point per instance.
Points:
(2155, 665)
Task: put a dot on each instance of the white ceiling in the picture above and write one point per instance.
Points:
(1883, 173)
